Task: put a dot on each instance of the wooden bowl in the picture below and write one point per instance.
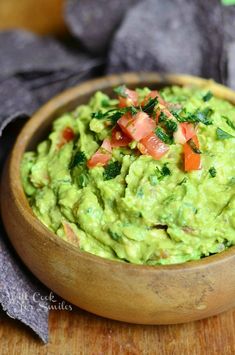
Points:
(45, 18)
(121, 291)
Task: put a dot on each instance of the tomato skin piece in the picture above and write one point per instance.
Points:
(179, 136)
(192, 160)
(131, 98)
(102, 156)
(153, 146)
(98, 159)
(118, 138)
(188, 130)
(184, 133)
(137, 126)
(152, 95)
(106, 145)
(68, 134)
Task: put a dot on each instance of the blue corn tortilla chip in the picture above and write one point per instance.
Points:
(210, 25)
(94, 22)
(18, 287)
(45, 87)
(20, 96)
(18, 292)
(231, 65)
(36, 80)
(228, 64)
(45, 92)
(15, 101)
(228, 14)
(158, 35)
(167, 36)
(23, 52)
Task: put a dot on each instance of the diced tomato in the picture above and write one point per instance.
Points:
(188, 130)
(179, 136)
(106, 145)
(102, 156)
(119, 139)
(192, 160)
(152, 95)
(131, 98)
(153, 146)
(98, 158)
(184, 132)
(137, 126)
(68, 134)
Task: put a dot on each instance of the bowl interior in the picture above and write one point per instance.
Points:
(37, 128)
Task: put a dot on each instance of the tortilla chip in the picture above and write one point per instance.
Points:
(228, 63)
(46, 92)
(170, 37)
(94, 22)
(18, 289)
(23, 51)
(210, 24)
(231, 65)
(15, 101)
(165, 39)
(228, 14)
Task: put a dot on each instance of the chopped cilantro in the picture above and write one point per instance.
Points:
(162, 117)
(194, 117)
(229, 122)
(121, 90)
(161, 173)
(171, 126)
(221, 134)
(163, 136)
(82, 180)
(204, 116)
(193, 146)
(105, 102)
(133, 110)
(212, 171)
(165, 170)
(112, 170)
(114, 235)
(79, 158)
(208, 96)
(182, 181)
(114, 114)
(149, 107)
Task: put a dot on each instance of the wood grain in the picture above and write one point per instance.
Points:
(162, 294)
(41, 16)
(79, 332)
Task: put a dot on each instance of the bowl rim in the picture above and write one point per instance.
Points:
(88, 87)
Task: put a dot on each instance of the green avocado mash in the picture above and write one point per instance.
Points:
(137, 209)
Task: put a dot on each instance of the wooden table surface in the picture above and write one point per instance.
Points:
(79, 332)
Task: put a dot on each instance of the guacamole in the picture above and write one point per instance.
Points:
(146, 178)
